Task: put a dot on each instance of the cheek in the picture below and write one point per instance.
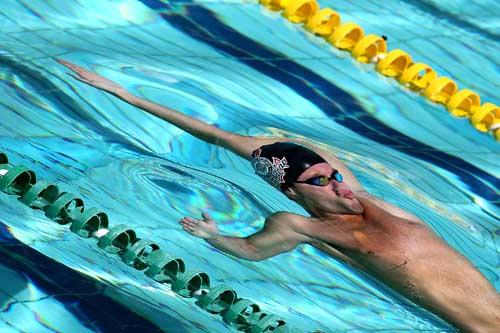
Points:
(330, 195)
(325, 190)
(343, 186)
(319, 194)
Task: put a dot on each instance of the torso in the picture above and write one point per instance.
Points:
(390, 248)
(414, 261)
(386, 241)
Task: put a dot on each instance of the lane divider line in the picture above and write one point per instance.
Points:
(144, 255)
(396, 63)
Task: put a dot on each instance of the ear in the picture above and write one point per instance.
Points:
(290, 193)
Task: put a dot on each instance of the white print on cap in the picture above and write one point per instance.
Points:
(272, 172)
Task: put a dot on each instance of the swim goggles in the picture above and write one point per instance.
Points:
(323, 180)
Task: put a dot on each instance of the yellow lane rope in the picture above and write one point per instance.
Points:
(396, 63)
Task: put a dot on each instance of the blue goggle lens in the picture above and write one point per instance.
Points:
(323, 180)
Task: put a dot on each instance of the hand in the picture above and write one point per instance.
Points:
(206, 228)
(91, 78)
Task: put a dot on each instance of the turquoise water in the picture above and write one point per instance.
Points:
(245, 69)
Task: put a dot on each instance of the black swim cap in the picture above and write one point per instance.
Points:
(282, 163)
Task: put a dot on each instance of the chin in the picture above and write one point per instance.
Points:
(359, 210)
(355, 207)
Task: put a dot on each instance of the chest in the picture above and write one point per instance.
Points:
(379, 237)
(392, 246)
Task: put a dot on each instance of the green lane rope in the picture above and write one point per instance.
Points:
(141, 254)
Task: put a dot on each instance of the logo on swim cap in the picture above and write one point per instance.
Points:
(273, 171)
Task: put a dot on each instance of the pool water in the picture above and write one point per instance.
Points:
(244, 68)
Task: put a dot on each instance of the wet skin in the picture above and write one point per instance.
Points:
(346, 222)
(404, 254)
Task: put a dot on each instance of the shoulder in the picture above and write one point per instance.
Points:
(284, 218)
(369, 199)
(374, 204)
(286, 221)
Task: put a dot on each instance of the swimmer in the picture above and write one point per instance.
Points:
(345, 221)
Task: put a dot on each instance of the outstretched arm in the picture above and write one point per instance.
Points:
(238, 144)
(274, 238)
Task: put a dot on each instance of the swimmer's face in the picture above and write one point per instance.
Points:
(319, 189)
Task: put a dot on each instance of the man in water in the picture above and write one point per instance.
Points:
(346, 222)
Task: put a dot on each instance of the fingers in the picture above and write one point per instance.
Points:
(71, 66)
(62, 61)
(185, 223)
(188, 228)
(79, 78)
(189, 224)
(206, 216)
(65, 63)
(190, 220)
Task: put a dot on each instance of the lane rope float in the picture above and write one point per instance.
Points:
(418, 77)
(141, 254)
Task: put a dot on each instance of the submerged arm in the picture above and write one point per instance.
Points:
(274, 238)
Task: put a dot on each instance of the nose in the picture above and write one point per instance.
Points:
(335, 184)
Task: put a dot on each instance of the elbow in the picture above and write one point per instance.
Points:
(255, 258)
(249, 256)
(252, 253)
